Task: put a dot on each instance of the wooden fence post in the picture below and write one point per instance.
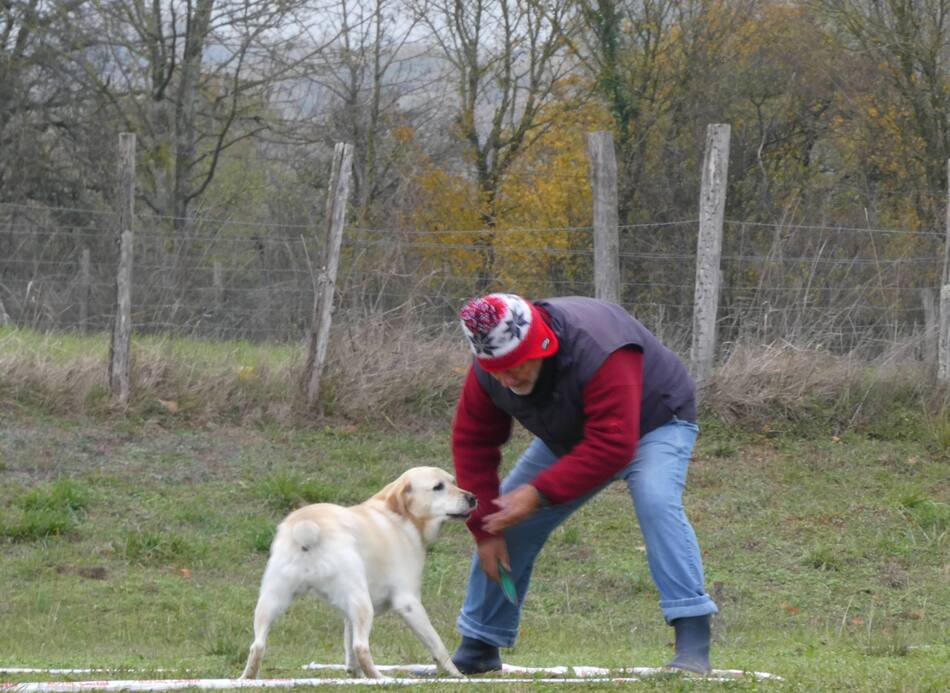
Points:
(122, 322)
(85, 286)
(946, 244)
(712, 206)
(943, 346)
(943, 340)
(603, 183)
(217, 281)
(337, 195)
(931, 325)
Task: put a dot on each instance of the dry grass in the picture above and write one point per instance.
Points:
(375, 371)
(45, 371)
(757, 384)
(399, 373)
(394, 370)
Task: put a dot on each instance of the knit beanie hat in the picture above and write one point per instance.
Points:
(504, 330)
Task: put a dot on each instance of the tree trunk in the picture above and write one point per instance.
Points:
(196, 33)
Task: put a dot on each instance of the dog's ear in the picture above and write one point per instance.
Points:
(398, 498)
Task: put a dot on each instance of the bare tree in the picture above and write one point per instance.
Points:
(35, 100)
(371, 80)
(194, 78)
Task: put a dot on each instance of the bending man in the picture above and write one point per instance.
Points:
(605, 401)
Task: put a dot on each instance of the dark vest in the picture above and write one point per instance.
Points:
(589, 331)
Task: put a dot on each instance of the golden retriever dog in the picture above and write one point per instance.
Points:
(363, 560)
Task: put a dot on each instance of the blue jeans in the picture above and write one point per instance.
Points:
(655, 478)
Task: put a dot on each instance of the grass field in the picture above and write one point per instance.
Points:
(137, 540)
(140, 544)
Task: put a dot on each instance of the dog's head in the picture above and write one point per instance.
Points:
(428, 496)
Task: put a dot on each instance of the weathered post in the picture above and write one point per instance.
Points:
(603, 183)
(712, 206)
(217, 282)
(121, 345)
(931, 325)
(943, 341)
(943, 346)
(85, 286)
(337, 195)
(946, 244)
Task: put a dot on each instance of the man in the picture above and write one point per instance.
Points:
(605, 401)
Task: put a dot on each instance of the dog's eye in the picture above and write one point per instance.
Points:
(438, 487)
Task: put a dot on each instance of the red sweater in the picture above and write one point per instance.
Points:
(611, 400)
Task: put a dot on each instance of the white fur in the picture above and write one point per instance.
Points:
(363, 560)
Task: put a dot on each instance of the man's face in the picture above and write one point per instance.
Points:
(521, 378)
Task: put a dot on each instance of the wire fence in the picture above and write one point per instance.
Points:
(843, 288)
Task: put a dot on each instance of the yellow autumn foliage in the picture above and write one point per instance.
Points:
(540, 240)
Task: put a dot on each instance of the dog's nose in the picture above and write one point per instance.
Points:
(472, 502)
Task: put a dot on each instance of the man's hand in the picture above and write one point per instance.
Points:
(491, 551)
(515, 506)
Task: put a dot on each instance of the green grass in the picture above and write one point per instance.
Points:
(45, 511)
(67, 347)
(828, 555)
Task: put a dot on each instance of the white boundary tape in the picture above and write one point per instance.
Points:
(559, 674)
(565, 670)
(177, 684)
(30, 670)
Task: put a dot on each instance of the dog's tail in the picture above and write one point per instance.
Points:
(306, 534)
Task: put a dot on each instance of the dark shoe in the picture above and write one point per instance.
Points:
(692, 644)
(476, 657)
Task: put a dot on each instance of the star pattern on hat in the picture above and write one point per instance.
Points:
(514, 325)
(482, 343)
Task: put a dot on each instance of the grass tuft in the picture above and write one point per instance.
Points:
(64, 494)
(46, 511)
(261, 537)
(284, 491)
(225, 643)
(145, 547)
(823, 558)
(929, 515)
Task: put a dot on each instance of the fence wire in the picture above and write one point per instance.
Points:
(840, 287)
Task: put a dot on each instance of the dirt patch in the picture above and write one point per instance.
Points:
(91, 573)
(37, 450)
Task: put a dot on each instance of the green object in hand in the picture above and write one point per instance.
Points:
(507, 584)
